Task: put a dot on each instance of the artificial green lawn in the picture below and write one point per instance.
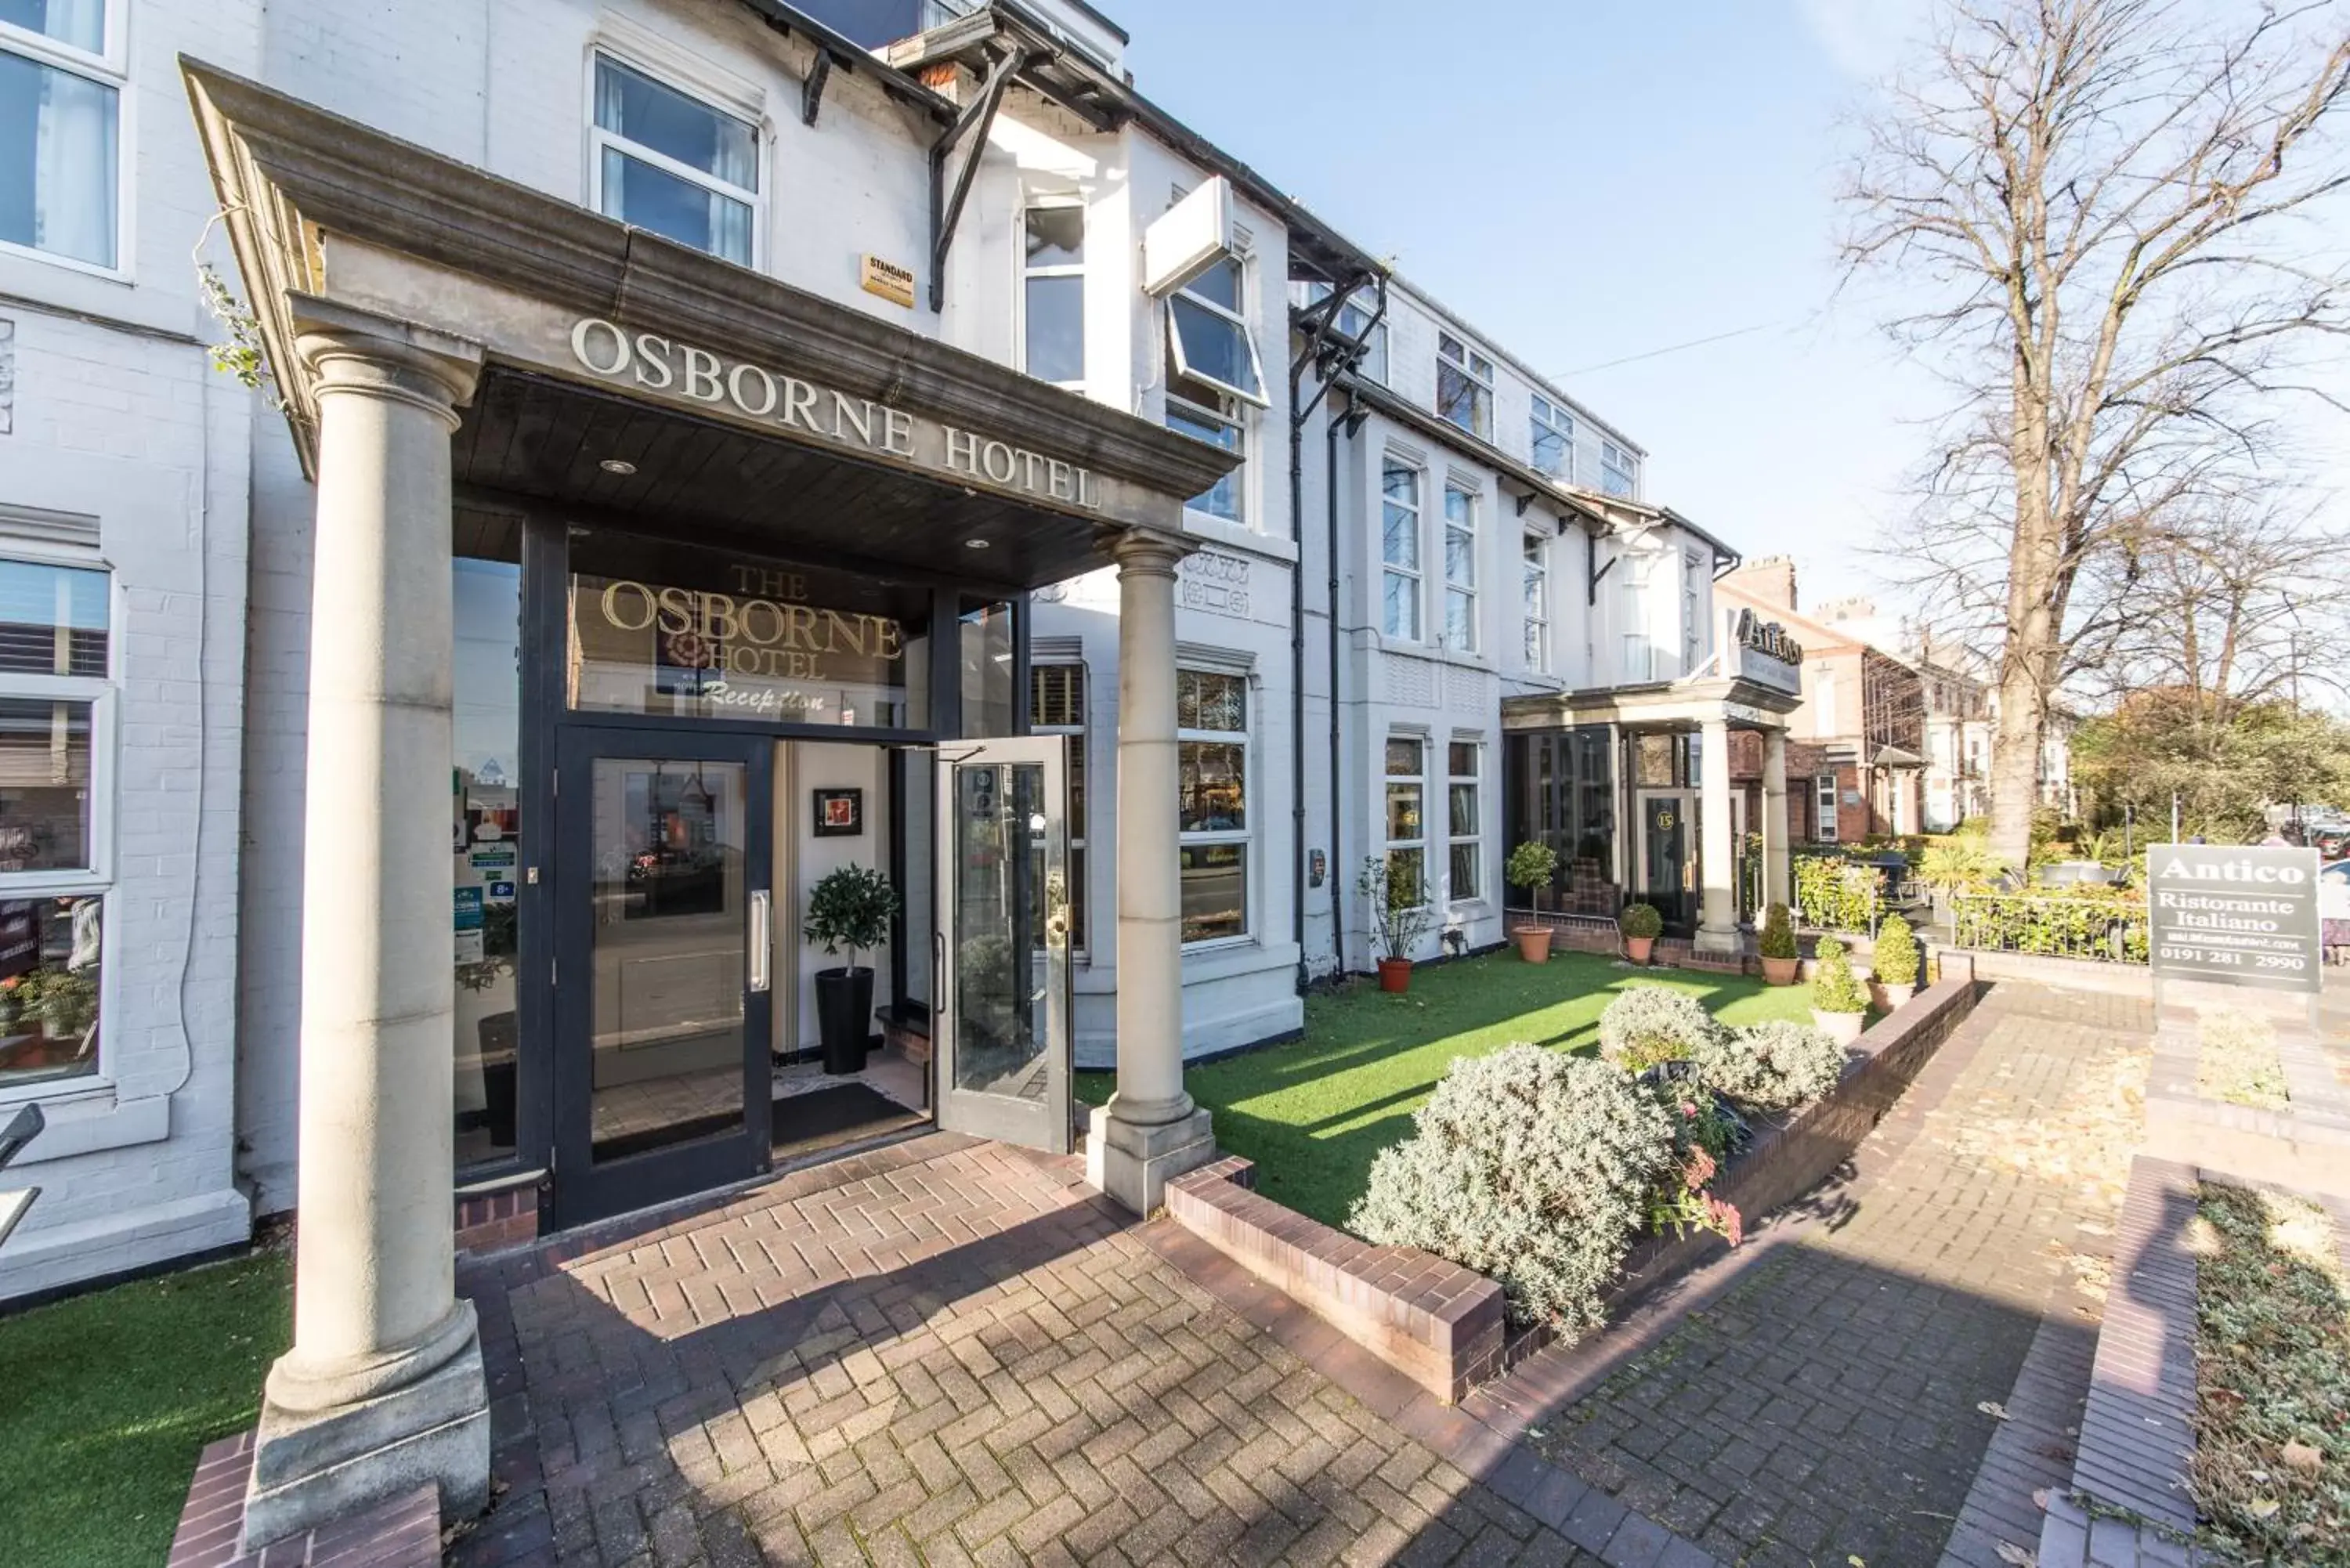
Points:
(105, 1399)
(1313, 1113)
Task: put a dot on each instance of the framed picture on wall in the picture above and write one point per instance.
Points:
(839, 813)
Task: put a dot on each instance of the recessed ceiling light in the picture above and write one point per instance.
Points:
(974, 544)
(616, 465)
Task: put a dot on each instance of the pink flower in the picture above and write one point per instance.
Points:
(1726, 1218)
(1699, 1170)
(1689, 1112)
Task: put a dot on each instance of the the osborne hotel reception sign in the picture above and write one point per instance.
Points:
(659, 364)
(2235, 914)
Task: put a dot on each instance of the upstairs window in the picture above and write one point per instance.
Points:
(1354, 320)
(674, 165)
(1619, 471)
(1459, 568)
(61, 116)
(1053, 296)
(1210, 335)
(1400, 550)
(1464, 386)
(1693, 612)
(1553, 440)
(1535, 578)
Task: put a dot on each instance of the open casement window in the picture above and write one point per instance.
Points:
(1209, 334)
(1056, 706)
(56, 723)
(1553, 445)
(1463, 767)
(61, 132)
(1407, 826)
(673, 164)
(1464, 386)
(1212, 795)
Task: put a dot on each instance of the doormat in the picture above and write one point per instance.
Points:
(820, 1113)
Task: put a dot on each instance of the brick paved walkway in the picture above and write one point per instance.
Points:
(1828, 1406)
(946, 1352)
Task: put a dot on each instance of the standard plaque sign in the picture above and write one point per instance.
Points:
(2237, 915)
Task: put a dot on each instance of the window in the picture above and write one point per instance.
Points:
(1823, 705)
(1354, 321)
(490, 839)
(1053, 296)
(1407, 841)
(1620, 471)
(1212, 795)
(1553, 440)
(1823, 808)
(1640, 655)
(1056, 706)
(60, 130)
(1399, 549)
(1535, 575)
(1692, 618)
(1459, 568)
(1462, 819)
(674, 165)
(1213, 373)
(1464, 386)
(55, 709)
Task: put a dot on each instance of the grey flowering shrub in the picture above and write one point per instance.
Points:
(1646, 1024)
(1532, 1168)
(1771, 1066)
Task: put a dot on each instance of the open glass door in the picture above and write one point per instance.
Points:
(1001, 1020)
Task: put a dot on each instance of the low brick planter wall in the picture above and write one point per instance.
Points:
(403, 1533)
(1437, 1324)
(1441, 1324)
(2305, 1144)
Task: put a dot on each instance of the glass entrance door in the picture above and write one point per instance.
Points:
(1001, 1016)
(665, 950)
(1665, 839)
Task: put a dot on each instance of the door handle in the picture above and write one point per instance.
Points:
(762, 920)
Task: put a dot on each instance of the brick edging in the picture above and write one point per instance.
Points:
(2137, 1433)
(404, 1532)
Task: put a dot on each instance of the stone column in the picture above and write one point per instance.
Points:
(1149, 1130)
(1717, 930)
(383, 1389)
(1776, 846)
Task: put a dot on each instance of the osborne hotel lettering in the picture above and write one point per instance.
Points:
(747, 635)
(659, 364)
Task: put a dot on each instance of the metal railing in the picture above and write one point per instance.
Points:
(2099, 930)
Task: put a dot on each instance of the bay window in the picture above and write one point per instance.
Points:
(1399, 549)
(1212, 796)
(61, 132)
(1553, 440)
(673, 164)
(1462, 819)
(1052, 294)
(56, 714)
(1459, 568)
(1407, 830)
(1464, 386)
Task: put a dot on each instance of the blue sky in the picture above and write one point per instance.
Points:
(1594, 181)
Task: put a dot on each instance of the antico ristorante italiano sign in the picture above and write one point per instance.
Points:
(659, 363)
(2233, 914)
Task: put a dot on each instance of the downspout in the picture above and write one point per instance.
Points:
(1330, 432)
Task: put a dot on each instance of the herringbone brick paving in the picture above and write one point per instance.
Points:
(954, 1353)
(1831, 1406)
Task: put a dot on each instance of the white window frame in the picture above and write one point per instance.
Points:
(1475, 782)
(1639, 650)
(1553, 419)
(1081, 946)
(1825, 798)
(1417, 575)
(1390, 783)
(685, 83)
(1478, 369)
(109, 66)
(1618, 465)
(1051, 202)
(1231, 419)
(1464, 589)
(1534, 585)
(97, 879)
(1245, 738)
(1182, 363)
(1692, 616)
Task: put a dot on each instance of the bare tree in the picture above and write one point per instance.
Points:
(2092, 206)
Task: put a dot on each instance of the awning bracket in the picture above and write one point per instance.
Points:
(972, 125)
(812, 89)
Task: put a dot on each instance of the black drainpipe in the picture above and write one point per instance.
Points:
(1330, 431)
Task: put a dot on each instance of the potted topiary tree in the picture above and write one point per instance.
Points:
(1839, 1005)
(1893, 972)
(1400, 918)
(850, 908)
(1531, 866)
(1641, 926)
(1776, 945)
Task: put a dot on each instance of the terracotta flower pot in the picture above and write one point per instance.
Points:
(1844, 1028)
(1889, 997)
(1395, 975)
(1533, 943)
(1637, 948)
(1780, 970)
